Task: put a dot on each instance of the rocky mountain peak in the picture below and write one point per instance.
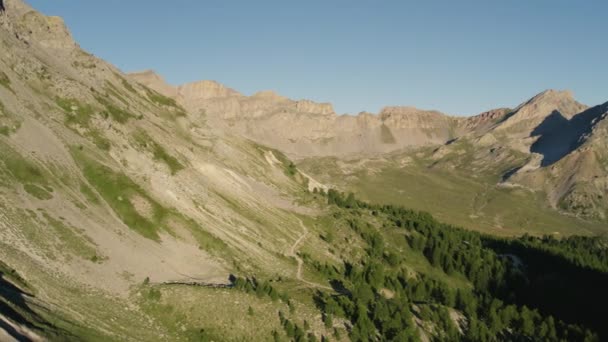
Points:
(34, 28)
(553, 96)
(532, 113)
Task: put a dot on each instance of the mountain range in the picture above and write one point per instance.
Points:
(131, 209)
(559, 138)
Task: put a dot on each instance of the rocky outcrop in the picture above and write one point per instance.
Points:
(34, 28)
(527, 117)
(193, 96)
(482, 122)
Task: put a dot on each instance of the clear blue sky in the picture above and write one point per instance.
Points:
(460, 57)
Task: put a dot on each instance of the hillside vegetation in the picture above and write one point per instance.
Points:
(125, 215)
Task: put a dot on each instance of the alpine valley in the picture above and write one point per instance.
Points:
(135, 210)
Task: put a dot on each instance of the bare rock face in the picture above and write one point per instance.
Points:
(411, 117)
(482, 122)
(34, 28)
(194, 95)
(546, 107)
(306, 128)
(308, 106)
(572, 164)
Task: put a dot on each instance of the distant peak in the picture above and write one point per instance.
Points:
(555, 93)
(205, 89)
(558, 99)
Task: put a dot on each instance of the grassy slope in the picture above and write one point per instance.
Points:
(458, 197)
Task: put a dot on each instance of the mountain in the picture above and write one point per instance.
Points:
(509, 171)
(536, 134)
(132, 210)
(314, 128)
(106, 183)
(573, 164)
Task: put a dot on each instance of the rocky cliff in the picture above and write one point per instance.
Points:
(305, 128)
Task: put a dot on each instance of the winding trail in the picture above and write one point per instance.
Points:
(294, 253)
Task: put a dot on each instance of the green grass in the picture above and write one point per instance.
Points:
(37, 191)
(144, 140)
(189, 313)
(161, 154)
(76, 112)
(175, 110)
(100, 140)
(8, 122)
(81, 113)
(84, 65)
(458, 196)
(72, 240)
(160, 99)
(89, 194)
(21, 169)
(127, 85)
(117, 114)
(462, 200)
(5, 81)
(13, 276)
(289, 168)
(114, 91)
(117, 190)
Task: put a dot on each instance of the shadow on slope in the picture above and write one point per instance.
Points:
(557, 286)
(560, 136)
(16, 308)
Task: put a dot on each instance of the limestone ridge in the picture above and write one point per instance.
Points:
(549, 143)
(308, 129)
(304, 128)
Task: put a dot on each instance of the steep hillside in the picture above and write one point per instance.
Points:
(106, 183)
(130, 215)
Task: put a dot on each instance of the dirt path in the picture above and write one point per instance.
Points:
(293, 252)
